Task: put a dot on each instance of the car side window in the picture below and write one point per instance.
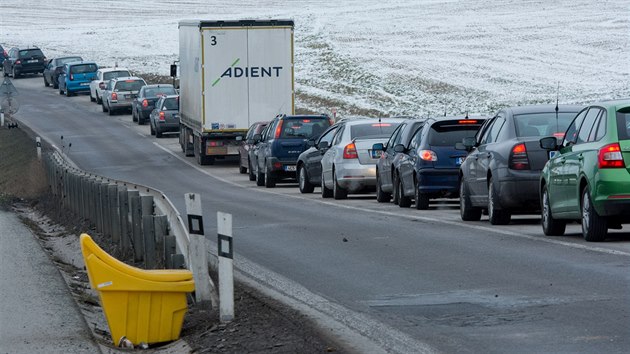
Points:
(599, 128)
(328, 136)
(570, 137)
(587, 126)
(394, 137)
(250, 132)
(338, 135)
(484, 131)
(493, 132)
(416, 140)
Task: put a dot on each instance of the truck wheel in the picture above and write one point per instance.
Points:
(202, 159)
(270, 179)
(189, 149)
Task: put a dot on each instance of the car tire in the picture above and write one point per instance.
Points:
(403, 201)
(466, 210)
(68, 93)
(110, 110)
(550, 226)
(92, 99)
(326, 192)
(495, 215)
(242, 170)
(260, 178)
(252, 176)
(158, 133)
(14, 73)
(304, 184)
(151, 128)
(103, 106)
(594, 227)
(99, 100)
(395, 186)
(46, 83)
(134, 117)
(338, 191)
(381, 197)
(60, 91)
(421, 200)
(270, 179)
(55, 85)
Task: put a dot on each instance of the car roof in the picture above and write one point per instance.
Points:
(614, 104)
(123, 78)
(106, 70)
(374, 120)
(80, 62)
(544, 108)
(158, 85)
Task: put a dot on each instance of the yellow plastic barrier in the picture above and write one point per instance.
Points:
(146, 306)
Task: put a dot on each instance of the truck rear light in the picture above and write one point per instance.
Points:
(279, 129)
(350, 151)
(162, 117)
(145, 103)
(101, 86)
(518, 158)
(114, 96)
(610, 156)
(427, 155)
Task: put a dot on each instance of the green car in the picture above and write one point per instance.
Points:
(587, 177)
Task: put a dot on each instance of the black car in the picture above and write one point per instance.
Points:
(284, 139)
(243, 149)
(165, 117)
(53, 69)
(390, 159)
(502, 172)
(144, 103)
(309, 167)
(25, 61)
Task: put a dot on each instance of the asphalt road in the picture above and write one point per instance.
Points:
(424, 275)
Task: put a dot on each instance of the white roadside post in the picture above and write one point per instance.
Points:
(226, 274)
(38, 143)
(197, 251)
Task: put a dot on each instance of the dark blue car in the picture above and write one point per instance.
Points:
(278, 147)
(429, 164)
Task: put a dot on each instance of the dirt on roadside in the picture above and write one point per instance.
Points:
(262, 325)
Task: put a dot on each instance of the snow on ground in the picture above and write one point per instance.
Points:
(384, 57)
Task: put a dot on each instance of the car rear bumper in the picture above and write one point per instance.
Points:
(519, 190)
(77, 87)
(120, 105)
(145, 112)
(29, 69)
(611, 192)
(282, 168)
(167, 126)
(439, 181)
(355, 176)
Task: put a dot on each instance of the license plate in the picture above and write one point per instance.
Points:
(32, 61)
(216, 150)
(289, 168)
(376, 153)
(85, 84)
(127, 96)
(459, 160)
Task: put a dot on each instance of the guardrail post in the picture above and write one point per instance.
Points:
(148, 233)
(103, 207)
(114, 217)
(161, 230)
(135, 205)
(226, 273)
(125, 229)
(170, 248)
(197, 251)
(38, 144)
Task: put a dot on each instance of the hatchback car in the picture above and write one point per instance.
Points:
(278, 148)
(143, 105)
(428, 166)
(588, 177)
(502, 172)
(120, 92)
(243, 149)
(76, 76)
(53, 70)
(349, 163)
(103, 75)
(309, 163)
(25, 61)
(165, 117)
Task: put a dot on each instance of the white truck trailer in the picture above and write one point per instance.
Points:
(232, 74)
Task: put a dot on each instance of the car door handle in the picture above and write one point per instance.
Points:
(580, 157)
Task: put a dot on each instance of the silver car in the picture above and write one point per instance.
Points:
(103, 75)
(120, 92)
(349, 164)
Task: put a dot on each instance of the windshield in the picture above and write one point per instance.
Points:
(372, 130)
(62, 61)
(450, 133)
(171, 103)
(129, 85)
(159, 91)
(543, 124)
(31, 53)
(304, 128)
(83, 68)
(114, 74)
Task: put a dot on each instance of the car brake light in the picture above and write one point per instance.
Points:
(427, 155)
(350, 151)
(18, 62)
(279, 129)
(129, 81)
(467, 121)
(558, 135)
(381, 125)
(306, 120)
(71, 77)
(610, 156)
(162, 118)
(114, 96)
(215, 143)
(145, 103)
(519, 160)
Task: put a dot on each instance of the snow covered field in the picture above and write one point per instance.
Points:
(371, 56)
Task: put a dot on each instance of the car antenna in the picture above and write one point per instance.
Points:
(444, 109)
(557, 108)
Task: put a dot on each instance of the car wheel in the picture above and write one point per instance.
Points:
(395, 185)
(15, 73)
(260, 178)
(551, 226)
(99, 100)
(403, 201)
(496, 216)
(326, 192)
(270, 179)
(421, 200)
(151, 128)
(305, 185)
(55, 85)
(104, 107)
(466, 210)
(338, 191)
(92, 99)
(110, 110)
(252, 176)
(381, 197)
(68, 94)
(158, 133)
(594, 227)
(60, 91)
(134, 117)
(46, 83)
(242, 170)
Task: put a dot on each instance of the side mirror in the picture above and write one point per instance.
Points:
(256, 138)
(378, 147)
(399, 148)
(323, 145)
(549, 143)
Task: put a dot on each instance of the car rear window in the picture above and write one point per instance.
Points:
(303, 128)
(543, 124)
(171, 103)
(129, 85)
(159, 91)
(31, 53)
(62, 61)
(623, 123)
(449, 133)
(83, 68)
(114, 74)
(373, 130)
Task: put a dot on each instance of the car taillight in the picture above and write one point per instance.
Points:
(519, 160)
(18, 62)
(145, 103)
(101, 86)
(427, 155)
(610, 156)
(162, 118)
(215, 143)
(558, 135)
(350, 151)
(279, 129)
(71, 77)
(467, 121)
(114, 96)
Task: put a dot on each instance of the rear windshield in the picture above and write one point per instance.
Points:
(171, 103)
(114, 74)
(542, 124)
(159, 91)
(450, 133)
(83, 68)
(623, 123)
(62, 61)
(31, 53)
(303, 128)
(129, 85)
(373, 130)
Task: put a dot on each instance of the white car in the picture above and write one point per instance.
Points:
(103, 76)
